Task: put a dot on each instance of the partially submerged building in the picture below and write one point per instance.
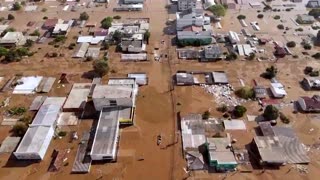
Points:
(77, 97)
(36, 141)
(61, 29)
(105, 141)
(220, 155)
(305, 19)
(260, 92)
(184, 78)
(309, 104)
(187, 4)
(13, 39)
(311, 83)
(278, 90)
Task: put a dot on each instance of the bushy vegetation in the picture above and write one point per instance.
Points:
(276, 17)
(223, 108)
(260, 16)
(291, 44)
(106, 22)
(284, 118)
(245, 93)
(62, 133)
(117, 17)
(271, 113)
(218, 10)
(19, 129)
(11, 17)
(316, 56)
(84, 16)
(239, 111)
(232, 56)
(100, 67)
(314, 12)
(15, 54)
(241, 17)
(17, 111)
(35, 33)
(307, 46)
(280, 26)
(206, 115)
(270, 73)
(16, 6)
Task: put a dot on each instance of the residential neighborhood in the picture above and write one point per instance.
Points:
(154, 89)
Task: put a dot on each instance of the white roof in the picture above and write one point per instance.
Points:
(278, 88)
(77, 96)
(234, 124)
(60, 27)
(141, 78)
(28, 86)
(34, 139)
(84, 39)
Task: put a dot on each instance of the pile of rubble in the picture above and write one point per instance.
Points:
(222, 94)
(301, 168)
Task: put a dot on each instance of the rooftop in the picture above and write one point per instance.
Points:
(105, 139)
(77, 96)
(219, 150)
(270, 149)
(112, 91)
(220, 77)
(312, 102)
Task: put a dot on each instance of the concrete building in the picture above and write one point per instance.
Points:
(187, 4)
(13, 39)
(220, 155)
(61, 29)
(118, 92)
(191, 17)
(205, 36)
(132, 45)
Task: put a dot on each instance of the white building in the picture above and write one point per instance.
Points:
(35, 142)
(192, 17)
(187, 4)
(11, 39)
(278, 90)
(118, 92)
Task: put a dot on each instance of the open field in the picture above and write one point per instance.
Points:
(157, 105)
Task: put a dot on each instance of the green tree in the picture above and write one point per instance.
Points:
(260, 16)
(218, 10)
(35, 33)
(101, 67)
(3, 51)
(116, 36)
(314, 12)
(19, 129)
(270, 73)
(241, 17)
(106, 22)
(84, 16)
(280, 26)
(245, 93)
(117, 17)
(271, 113)
(291, 44)
(16, 6)
(239, 111)
(316, 56)
(206, 115)
(29, 43)
(10, 17)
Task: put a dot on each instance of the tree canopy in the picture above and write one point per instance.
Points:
(239, 111)
(16, 6)
(84, 16)
(271, 113)
(106, 22)
(100, 67)
(218, 10)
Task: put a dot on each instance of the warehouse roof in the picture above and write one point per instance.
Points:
(220, 77)
(77, 96)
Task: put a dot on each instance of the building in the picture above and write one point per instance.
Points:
(36, 141)
(184, 79)
(129, 7)
(134, 57)
(188, 53)
(296, 1)
(220, 155)
(269, 150)
(188, 37)
(193, 132)
(186, 4)
(195, 161)
(310, 104)
(106, 137)
(77, 97)
(118, 92)
(133, 1)
(260, 92)
(211, 53)
(313, 4)
(311, 83)
(141, 78)
(231, 4)
(61, 30)
(277, 90)
(220, 77)
(191, 17)
(81, 51)
(280, 52)
(51, 23)
(13, 39)
(233, 37)
(132, 45)
(305, 19)
(208, 3)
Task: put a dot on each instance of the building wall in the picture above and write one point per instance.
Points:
(46, 143)
(133, 1)
(99, 103)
